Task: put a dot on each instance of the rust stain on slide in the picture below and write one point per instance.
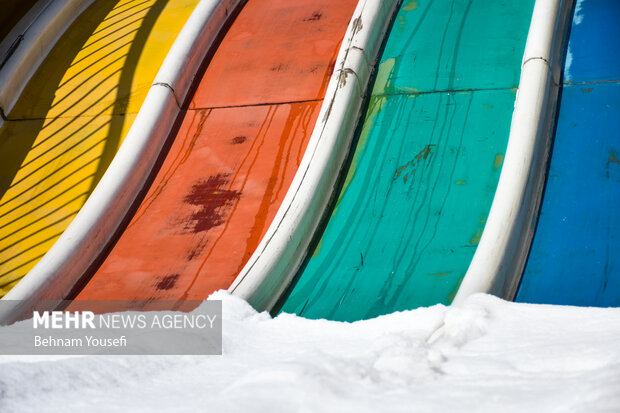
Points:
(234, 157)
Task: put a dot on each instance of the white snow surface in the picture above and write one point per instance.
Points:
(487, 355)
(578, 9)
(568, 76)
(577, 19)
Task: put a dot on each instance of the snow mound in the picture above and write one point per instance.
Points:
(487, 355)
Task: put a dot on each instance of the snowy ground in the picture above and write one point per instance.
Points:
(486, 356)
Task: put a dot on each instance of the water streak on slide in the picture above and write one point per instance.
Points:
(234, 156)
(71, 118)
(575, 255)
(427, 162)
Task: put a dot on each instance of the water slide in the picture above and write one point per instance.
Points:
(65, 127)
(245, 183)
(426, 165)
(575, 256)
(237, 149)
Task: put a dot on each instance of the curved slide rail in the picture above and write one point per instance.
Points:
(426, 165)
(233, 157)
(274, 263)
(499, 260)
(17, 17)
(575, 257)
(65, 130)
(42, 27)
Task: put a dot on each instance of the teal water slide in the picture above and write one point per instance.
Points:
(426, 164)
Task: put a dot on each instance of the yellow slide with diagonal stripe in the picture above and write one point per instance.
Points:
(71, 119)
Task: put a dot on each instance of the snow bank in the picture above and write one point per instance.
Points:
(486, 355)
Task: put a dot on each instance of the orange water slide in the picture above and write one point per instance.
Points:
(234, 156)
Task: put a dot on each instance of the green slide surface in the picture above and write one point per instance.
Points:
(425, 166)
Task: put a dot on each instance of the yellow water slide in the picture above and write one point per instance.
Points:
(71, 118)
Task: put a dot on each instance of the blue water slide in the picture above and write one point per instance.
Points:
(575, 255)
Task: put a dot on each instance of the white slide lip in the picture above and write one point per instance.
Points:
(84, 240)
(41, 28)
(282, 250)
(500, 258)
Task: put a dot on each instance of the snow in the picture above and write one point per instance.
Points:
(568, 76)
(577, 19)
(487, 355)
(578, 9)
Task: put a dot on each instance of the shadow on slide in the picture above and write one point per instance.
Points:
(66, 127)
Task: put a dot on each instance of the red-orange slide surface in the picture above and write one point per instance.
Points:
(234, 157)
